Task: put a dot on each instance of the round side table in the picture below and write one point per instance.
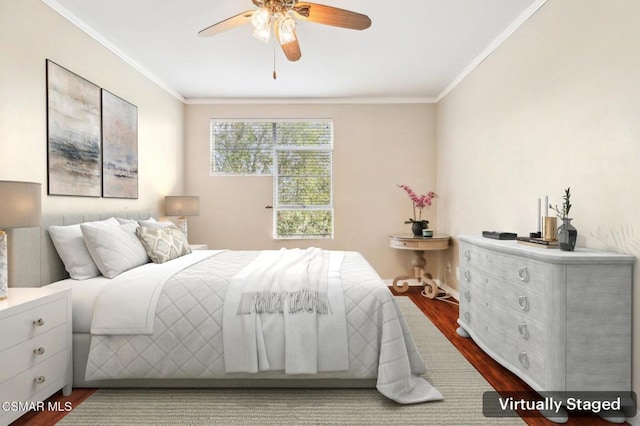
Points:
(418, 245)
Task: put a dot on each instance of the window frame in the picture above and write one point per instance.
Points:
(274, 171)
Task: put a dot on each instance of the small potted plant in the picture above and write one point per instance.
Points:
(419, 202)
(567, 233)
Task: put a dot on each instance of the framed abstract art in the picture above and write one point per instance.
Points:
(119, 147)
(74, 148)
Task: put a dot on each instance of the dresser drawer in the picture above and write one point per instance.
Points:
(515, 270)
(469, 254)
(26, 384)
(417, 243)
(25, 325)
(472, 279)
(523, 303)
(27, 354)
(516, 355)
(519, 328)
(470, 309)
(477, 306)
(404, 244)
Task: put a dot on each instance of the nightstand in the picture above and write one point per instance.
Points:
(199, 246)
(35, 348)
(419, 245)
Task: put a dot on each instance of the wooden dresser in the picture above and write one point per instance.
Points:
(35, 349)
(559, 320)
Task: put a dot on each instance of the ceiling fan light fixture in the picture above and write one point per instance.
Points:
(283, 16)
(262, 34)
(261, 19)
(286, 22)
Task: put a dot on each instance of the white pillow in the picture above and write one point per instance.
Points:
(114, 248)
(154, 224)
(73, 252)
(122, 220)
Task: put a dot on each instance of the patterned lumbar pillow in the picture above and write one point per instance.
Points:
(163, 244)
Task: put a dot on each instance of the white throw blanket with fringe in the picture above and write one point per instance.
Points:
(285, 311)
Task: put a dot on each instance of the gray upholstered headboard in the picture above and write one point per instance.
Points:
(33, 260)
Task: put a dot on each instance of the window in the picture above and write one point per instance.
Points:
(297, 153)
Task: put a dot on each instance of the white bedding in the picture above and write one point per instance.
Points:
(84, 293)
(187, 330)
(302, 329)
(134, 296)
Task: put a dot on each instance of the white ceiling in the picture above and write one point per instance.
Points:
(415, 50)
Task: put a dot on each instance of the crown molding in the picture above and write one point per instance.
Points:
(253, 101)
(521, 19)
(68, 15)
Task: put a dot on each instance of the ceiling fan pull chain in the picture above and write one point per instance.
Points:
(274, 60)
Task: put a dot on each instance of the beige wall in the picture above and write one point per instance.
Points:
(30, 33)
(557, 105)
(376, 147)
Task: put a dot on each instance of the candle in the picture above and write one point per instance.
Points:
(539, 215)
(546, 206)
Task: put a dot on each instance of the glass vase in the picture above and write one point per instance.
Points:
(567, 235)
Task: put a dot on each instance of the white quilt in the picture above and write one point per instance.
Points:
(187, 337)
(134, 296)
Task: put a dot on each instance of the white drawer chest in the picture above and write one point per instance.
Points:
(35, 348)
(561, 321)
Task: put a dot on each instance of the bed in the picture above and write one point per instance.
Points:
(177, 337)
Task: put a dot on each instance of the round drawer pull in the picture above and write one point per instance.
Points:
(467, 276)
(39, 351)
(523, 302)
(39, 322)
(467, 317)
(523, 274)
(524, 359)
(467, 296)
(39, 380)
(524, 331)
(467, 255)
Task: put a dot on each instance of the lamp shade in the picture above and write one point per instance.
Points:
(182, 205)
(20, 204)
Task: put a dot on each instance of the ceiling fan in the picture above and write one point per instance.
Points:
(283, 16)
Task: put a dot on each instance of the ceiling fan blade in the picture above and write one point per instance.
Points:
(290, 45)
(328, 15)
(227, 24)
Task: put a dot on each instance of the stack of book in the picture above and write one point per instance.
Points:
(497, 235)
(537, 242)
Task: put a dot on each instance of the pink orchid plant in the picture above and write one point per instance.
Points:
(419, 202)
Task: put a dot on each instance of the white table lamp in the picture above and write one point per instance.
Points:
(20, 207)
(182, 206)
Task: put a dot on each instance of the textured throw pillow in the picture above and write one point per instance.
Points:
(114, 248)
(73, 252)
(163, 244)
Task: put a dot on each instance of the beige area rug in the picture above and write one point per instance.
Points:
(459, 382)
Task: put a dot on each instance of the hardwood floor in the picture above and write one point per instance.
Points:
(48, 418)
(442, 314)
